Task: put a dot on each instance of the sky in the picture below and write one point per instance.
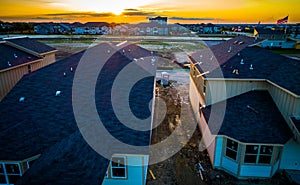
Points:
(133, 11)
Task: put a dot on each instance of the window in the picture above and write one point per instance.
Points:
(231, 149)
(258, 154)
(2, 175)
(251, 153)
(118, 167)
(265, 155)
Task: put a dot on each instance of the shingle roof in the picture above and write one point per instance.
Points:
(45, 124)
(10, 57)
(281, 70)
(248, 119)
(31, 44)
(269, 31)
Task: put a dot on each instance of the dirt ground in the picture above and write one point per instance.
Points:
(183, 167)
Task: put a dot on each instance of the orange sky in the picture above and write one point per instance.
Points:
(184, 11)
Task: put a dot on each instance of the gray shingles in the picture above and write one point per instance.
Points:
(11, 57)
(31, 44)
(45, 124)
(250, 125)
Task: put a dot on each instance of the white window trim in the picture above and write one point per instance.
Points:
(125, 167)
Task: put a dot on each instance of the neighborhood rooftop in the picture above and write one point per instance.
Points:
(11, 56)
(249, 113)
(31, 44)
(248, 63)
(45, 124)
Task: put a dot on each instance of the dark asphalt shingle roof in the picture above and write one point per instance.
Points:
(31, 44)
(269, 31)
(251, 117)
(266, 64)
(45, 124)
(13, 56)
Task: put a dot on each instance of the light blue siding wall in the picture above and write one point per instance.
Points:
(218, 151)
(230, 165)
(255, 171)
(290, 156)
(135, 172)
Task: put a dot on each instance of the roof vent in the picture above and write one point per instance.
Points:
(238, 54)
(142, 58)
(235, 42)
(134, 59)
(251, 67)
(71, 69)
(242, 61)
(29, 57)
(8, 63)
(123, 51)
(15, 55)
(229, 50)
(242, 42)
(212, 57)
(21, 99)
(108, 51)
(235, 71)
(251, 108)
(57, 93)
(65, 74)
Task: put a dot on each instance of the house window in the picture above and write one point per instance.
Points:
(258, 154)
(231, 149)
(251, 153)
(265, 154)
(118, 167)
(2, 175)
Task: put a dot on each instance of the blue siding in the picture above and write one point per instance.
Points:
(230, 165)
(255, 171)
(218, 151)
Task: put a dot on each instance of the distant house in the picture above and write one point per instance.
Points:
(159, 20)
(20, 56)
(246, 102)
(273, 38)
(40, 139)
(52, 28)
(92, 28)
(210, 28)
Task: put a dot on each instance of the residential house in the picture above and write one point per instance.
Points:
(246, 100)
(20, 56)
(273, 38)
(41, 139)
(159, 20)
(210, 28)
(92, 28)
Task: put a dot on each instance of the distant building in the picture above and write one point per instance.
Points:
(273, 38)
(246, 102)
(20, 56)
(91, 28)
(40, 139)
(159, 19)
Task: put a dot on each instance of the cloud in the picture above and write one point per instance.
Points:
(85, 14)
(191, 19)
(137, 12)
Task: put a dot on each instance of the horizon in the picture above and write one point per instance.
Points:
(135, 11)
